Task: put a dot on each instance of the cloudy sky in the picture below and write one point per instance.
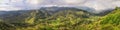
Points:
(8, 5)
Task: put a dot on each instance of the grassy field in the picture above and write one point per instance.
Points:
(67, 20)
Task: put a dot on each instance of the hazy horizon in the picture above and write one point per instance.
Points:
(11, 5)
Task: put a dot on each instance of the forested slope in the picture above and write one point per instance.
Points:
(67, 19)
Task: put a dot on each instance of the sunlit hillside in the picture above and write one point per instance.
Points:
(67, 19)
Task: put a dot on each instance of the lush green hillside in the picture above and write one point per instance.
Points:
(112, 20)
(70, 19)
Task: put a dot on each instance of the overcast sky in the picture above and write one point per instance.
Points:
(8, 5)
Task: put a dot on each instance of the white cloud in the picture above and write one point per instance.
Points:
(116, 3)
(3, 1)
(6, 6)
(98, 5)
(9, 8)
(34, 2)
(74, 1)
(71, 1)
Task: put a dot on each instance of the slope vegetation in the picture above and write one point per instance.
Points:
(66, 19)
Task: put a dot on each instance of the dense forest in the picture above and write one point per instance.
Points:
(69, 19)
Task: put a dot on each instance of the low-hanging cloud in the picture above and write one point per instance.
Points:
(97, 5)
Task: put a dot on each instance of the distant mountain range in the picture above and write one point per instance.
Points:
(43, 12)
(21, 15)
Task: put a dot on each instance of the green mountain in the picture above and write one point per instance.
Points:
(112, 20)
(61, 19)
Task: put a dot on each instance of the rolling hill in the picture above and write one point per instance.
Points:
(64, 18)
